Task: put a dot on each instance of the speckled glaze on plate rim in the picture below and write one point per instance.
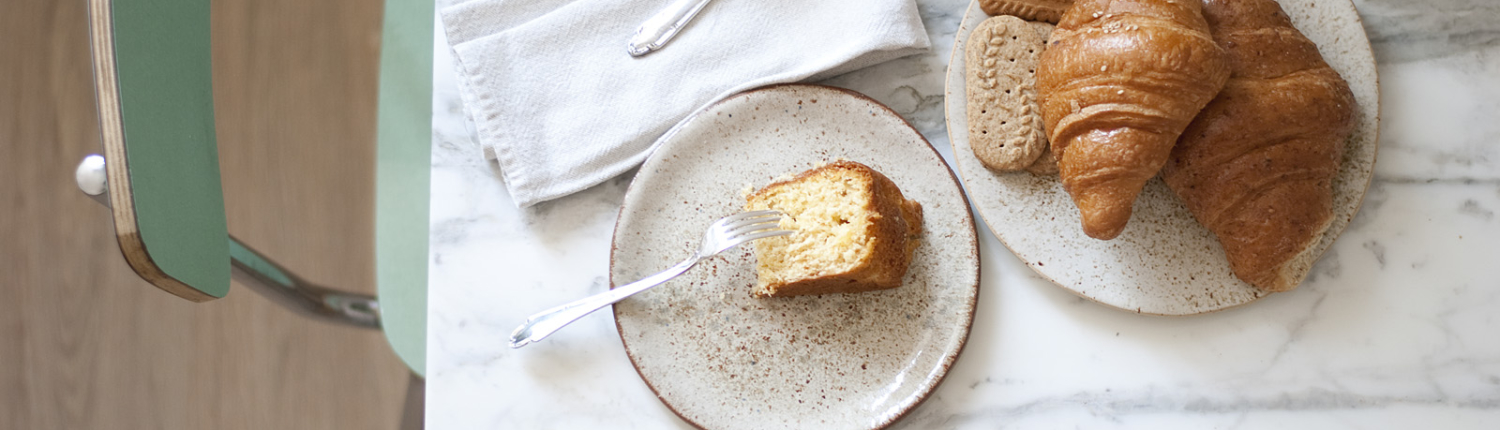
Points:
(931, 383)
(1357, 55)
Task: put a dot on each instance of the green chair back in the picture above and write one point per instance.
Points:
(155, 93)
(155, 96)
(402, 174)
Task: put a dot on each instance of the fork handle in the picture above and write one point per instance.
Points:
(546, 322)
(660, 28)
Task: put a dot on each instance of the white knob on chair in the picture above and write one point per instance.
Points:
(90, 175)
(92, 179)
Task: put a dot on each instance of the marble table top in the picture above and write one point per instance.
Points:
(1398, 326)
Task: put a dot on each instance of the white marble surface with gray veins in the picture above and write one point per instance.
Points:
(1398, 327)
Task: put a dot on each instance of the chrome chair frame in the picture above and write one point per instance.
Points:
(253, 270)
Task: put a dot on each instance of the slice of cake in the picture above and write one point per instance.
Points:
(855, 232)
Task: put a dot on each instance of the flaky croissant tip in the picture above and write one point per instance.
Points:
(1104, 213)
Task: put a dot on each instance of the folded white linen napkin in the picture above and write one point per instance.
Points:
(561, 106)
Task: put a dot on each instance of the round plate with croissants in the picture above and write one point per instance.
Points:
(1166, 157)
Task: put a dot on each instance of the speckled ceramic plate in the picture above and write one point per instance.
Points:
(721, 359)
(1164, 263)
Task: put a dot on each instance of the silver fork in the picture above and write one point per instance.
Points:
(726, 233)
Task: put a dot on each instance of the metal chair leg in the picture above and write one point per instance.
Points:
(413, 413)
(253, 270)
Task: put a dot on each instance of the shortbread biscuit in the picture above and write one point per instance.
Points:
(1005, 123)
(1032, 10)
(1045, 165)
(1042, 29)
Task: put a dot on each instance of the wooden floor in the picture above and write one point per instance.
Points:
(84, 343)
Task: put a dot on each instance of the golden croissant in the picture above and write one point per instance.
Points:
(1118, 83)
(1256, 167)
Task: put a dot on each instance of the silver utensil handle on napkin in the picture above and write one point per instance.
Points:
(657, 31)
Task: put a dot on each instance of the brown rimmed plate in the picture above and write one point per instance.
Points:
(721, 359)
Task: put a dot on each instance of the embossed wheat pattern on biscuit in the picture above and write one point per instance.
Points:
(1027, 113)
(1024, 127)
